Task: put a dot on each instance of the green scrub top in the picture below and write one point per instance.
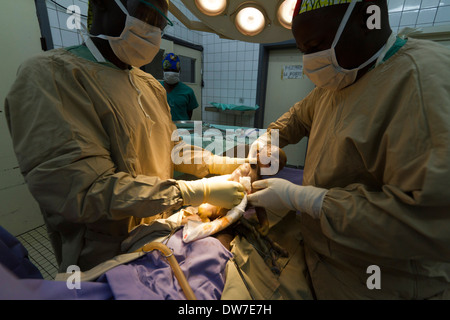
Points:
(181, 100)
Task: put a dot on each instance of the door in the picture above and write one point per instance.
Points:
(191, 62)
(285, 87)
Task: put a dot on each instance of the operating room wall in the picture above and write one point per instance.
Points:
(20, 39)
(230, 67)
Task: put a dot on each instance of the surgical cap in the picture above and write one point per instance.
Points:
(310, 5)
(171, 62)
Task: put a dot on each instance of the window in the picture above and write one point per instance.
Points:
(187, 71)
(155, 67)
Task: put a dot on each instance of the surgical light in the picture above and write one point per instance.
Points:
(257, 21)
(250, 21)
(211, 7)
(285, 13)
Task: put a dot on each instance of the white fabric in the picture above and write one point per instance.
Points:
(194, 230)
(171, 77)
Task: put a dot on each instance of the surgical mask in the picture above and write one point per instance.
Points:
(138, 43)
(322, 67)
(171, 77)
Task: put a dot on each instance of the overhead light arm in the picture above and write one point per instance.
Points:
(192, 25)
(223, 22)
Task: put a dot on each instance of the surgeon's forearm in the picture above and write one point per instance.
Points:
(140, 196)
(200, 162)
(78, 193)
(190, 159)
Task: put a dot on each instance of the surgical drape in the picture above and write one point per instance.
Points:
(382, 148)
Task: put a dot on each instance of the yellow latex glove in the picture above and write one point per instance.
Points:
(224, 194)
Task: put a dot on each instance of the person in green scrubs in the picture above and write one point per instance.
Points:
(181, 98)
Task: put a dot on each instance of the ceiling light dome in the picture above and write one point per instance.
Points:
(250, 20)
(285, 13)
(211, 7)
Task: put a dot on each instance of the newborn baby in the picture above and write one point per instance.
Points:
(246, 174)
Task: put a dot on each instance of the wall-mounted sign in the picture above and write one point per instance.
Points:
(292, 72)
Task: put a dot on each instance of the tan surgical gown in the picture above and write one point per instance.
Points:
(382, 148)
(95, 161)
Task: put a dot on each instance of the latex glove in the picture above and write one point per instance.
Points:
(270, 158)
(281, 195)
(258, 145)
(224, 165)
(224, 194)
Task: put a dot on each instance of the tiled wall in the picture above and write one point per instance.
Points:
(57, 15)
(230, 70)
(230, 67)
(180, 31)
(418, 13)
(230, 75)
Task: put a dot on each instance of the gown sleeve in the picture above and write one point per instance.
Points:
(64, 152)
(409, 216)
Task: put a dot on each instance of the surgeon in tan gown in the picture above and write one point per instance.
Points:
(93, 137)
(375, 199)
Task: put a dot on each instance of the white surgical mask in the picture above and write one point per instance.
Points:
(171, 77)
(322, 67)
(138, 43)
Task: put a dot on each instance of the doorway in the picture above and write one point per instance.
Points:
(281, 84)
(191, 59)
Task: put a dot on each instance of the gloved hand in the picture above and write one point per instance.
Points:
(259, 144)
(281, 195)
(224, 194)
(224, 165)
(270, 158)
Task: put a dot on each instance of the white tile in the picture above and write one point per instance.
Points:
(65, 3)
(248, 76)
(429, 4)
(56, 35)
(233, 45)
(83, 6)
(426, 16)
(395, 5)
(224, 84)
(225, 47)
(441, 23)
(443, 14)
(69, 38)
(224, 66)
(53, 18)
(394, 19)
(412, 5)
(241, 46)
(63, 18)
(409, 17)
